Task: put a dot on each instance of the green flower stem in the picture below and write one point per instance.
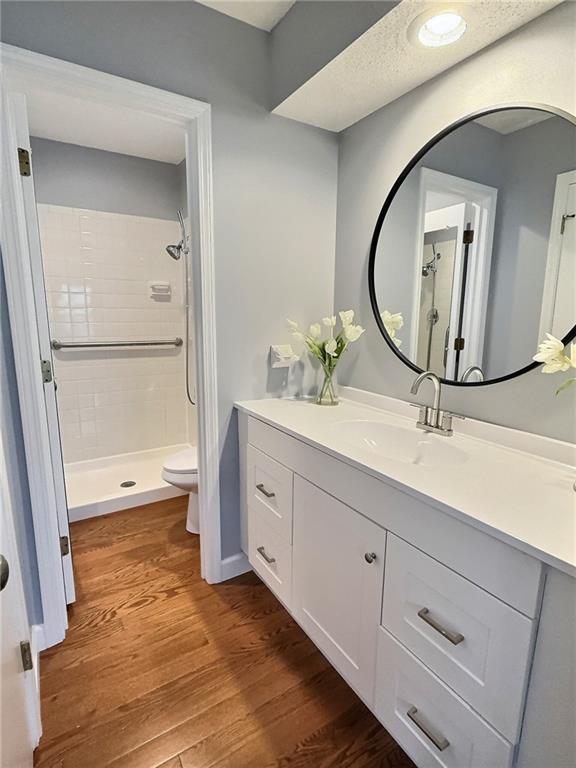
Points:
(567, 383)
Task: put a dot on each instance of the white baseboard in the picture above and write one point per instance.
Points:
(235, 566)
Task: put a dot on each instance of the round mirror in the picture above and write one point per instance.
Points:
(473, 256)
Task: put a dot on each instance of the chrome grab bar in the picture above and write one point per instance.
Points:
(55, 344)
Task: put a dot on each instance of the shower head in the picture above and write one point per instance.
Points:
(432, 265)
(176, 251)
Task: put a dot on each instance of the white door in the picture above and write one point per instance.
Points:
(442, 190)
(338, 566)
(451, 217)
(563, 318)
(35, 250)
(559, 295)
(28, 354)
(19, 706)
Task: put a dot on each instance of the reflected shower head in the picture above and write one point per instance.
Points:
(175, 251)
(432, 265)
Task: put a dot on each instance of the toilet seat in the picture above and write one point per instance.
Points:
(183, 463)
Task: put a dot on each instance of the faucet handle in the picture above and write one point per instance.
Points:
(445, 421)
(454, 415)
(423, 415)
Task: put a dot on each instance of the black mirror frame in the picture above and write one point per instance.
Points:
(382, 215)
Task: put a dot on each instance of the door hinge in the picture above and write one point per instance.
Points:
(459, 343)
(564, 217)
(26, 653)
(468, 236)
(46, 367)
(64, 545)
(24, 162)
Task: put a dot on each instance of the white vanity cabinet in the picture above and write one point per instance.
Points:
(338, 570)
(431, 621)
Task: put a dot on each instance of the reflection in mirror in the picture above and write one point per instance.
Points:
(474, 260)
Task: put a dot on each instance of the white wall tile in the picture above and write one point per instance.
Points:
(97, 267)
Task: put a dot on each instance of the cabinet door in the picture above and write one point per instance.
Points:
(338, 569)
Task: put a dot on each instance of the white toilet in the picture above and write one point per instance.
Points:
(181, 470)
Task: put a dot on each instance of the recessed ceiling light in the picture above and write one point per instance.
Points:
(441, 29)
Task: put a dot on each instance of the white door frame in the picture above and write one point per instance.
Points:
(483, 200)
(563, 182)
(194, 116)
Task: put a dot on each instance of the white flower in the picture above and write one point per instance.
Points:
(315, 331)
(353, 332)
(551, 354)
(347, 317)
(330, 322)
(392, 322)
(548, 349)
(294, 329)
(331, 347)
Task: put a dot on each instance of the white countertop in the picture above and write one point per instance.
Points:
(523, 497)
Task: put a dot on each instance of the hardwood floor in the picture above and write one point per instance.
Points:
(161, 670)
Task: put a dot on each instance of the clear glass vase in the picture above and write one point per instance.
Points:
(328, 392)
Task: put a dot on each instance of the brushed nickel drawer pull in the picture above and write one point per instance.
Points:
(262, 489)
(436, 738)
(454, 637)
(266, 557)
(370, 557)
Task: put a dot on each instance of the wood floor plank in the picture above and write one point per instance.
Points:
(162, 670)
(173, 763)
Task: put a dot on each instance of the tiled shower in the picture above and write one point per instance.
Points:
(108, 278)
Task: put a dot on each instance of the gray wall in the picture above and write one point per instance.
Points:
(81, 177)
(274, 179)
(17, 476)
(531, 159)
(372, 154)
(312, 33)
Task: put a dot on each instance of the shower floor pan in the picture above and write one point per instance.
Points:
(95, 487)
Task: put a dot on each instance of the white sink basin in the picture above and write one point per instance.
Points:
(402, 444)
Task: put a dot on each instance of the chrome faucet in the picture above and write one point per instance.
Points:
(473, 369)
(433, 419)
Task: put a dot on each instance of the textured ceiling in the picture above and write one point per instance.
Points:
(264, 14)
(383, 63)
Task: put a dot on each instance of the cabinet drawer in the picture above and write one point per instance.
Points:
(270, 556)
(478, 645)
(433, 725)
(269, 490)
